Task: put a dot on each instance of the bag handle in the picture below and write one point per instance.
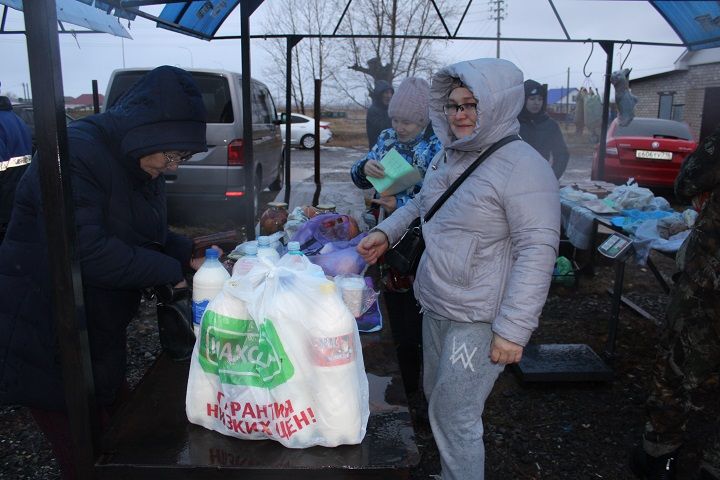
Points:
(490, 150)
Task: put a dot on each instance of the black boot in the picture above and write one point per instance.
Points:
(652, 468)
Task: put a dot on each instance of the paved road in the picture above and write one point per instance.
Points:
(337, 187)
(335, 163)
(579, 166)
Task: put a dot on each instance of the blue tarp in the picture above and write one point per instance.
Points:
(201, 18)
(697, 23)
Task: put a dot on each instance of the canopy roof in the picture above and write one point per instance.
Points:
(697, 23)
(82, 13)
(199, 18)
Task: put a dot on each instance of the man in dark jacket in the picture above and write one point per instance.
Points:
(124, 245)
(377, 115)
(15, 150)
(540, 131)
(689, 350)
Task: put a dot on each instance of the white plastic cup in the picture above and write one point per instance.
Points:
(353, 289)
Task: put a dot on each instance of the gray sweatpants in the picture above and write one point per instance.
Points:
(458, 377)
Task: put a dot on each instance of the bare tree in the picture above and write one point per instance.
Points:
(388, 59)
(337, 61)
(313, 57)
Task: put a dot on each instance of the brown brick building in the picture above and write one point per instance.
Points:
(690, 92)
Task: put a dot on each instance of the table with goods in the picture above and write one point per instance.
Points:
(621, 223)
(292, 373)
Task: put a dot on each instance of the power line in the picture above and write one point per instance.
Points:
(497, 13)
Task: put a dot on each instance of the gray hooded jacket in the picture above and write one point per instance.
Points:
(491, 247)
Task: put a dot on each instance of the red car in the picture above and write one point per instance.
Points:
(650, 150)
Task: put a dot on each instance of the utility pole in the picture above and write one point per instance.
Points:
(567, 97)
(497, 13)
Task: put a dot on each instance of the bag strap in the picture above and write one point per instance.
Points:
(490, 150)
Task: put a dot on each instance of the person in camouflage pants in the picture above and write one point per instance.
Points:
(689, 350)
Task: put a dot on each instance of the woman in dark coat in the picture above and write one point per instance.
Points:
(377, 118)
(124, 245)
(540, 131)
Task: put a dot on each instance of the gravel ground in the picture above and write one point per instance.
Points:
(24, 452)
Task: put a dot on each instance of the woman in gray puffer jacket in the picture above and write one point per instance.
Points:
(490, 250)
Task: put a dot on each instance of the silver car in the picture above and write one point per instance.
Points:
(211, 185)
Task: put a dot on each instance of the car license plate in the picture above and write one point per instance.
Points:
(653, 155)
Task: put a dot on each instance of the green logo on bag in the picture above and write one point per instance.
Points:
(240, 354)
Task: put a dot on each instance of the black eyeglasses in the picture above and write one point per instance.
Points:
(451, 109)
(176, 158)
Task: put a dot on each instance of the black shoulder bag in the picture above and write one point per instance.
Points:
(405, 255)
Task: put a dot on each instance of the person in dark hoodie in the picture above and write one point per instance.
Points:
(117, 161)
(540, 131)
(15, 150)
(688, 354)
(377, 118)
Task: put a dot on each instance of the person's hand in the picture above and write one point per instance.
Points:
(389, 203)
(182, 284)
(504, 351)
(372, 246)
(196, 263)
(374, 169)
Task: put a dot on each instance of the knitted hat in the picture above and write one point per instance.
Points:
(411, 101)
(533, 88)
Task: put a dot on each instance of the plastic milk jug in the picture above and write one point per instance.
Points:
(247, 261)
(207, 282)
(334, 356)
(265, 249)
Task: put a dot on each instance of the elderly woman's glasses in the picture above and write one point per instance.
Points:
(452, 109)
(176, 158)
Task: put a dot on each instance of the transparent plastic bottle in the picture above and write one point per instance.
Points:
(265, 249)
(294, 258)
(247, 261)
(207, 283)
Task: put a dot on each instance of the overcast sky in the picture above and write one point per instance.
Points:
(94, 56)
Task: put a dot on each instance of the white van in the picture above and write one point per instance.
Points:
(212, 184)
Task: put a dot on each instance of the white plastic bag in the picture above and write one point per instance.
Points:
(279, 358)
(631, 196)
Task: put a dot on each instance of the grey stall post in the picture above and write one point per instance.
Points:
(67, 295)
(608, 47)
(251, 192)
(291, 41)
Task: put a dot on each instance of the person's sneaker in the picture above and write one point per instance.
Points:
(652, 468)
